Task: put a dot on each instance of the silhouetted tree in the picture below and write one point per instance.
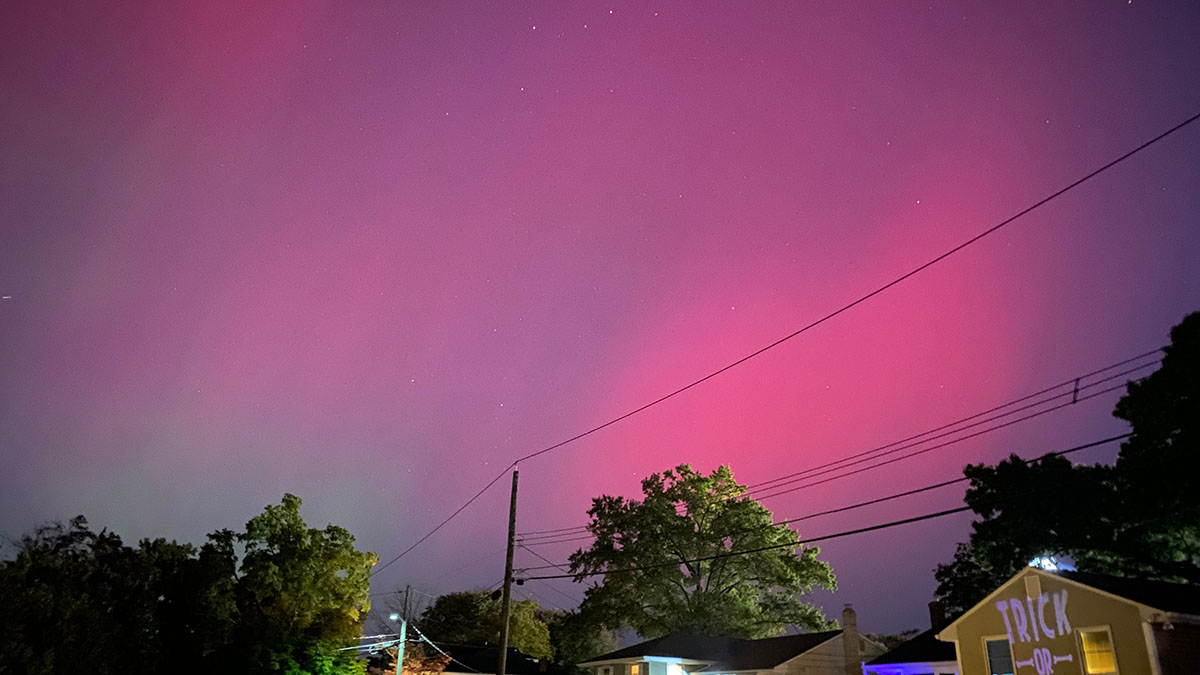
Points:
(474, 617)
(76, 600)
(1140, 517)
(684, 516)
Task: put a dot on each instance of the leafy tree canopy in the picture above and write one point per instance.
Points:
(576, 639)
(1139, 517)
(474, 617)
(76, 600)
(684, 516)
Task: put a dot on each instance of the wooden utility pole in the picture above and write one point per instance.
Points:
(502, 661)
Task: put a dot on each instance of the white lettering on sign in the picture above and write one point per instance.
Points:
(1041, 614)
(1003, 607)
(1060, 613)
(1022, 621)
(1019, 621)
(1020, 618)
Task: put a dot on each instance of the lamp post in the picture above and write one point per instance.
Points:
(400, 648)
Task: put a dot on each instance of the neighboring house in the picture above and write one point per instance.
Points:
(836, 652)
(1071, 623)
(923, 654)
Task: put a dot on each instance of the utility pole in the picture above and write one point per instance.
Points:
(502, 661)
(407, 588)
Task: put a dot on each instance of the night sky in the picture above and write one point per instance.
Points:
(371, 252)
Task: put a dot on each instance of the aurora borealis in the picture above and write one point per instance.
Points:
(368, 253)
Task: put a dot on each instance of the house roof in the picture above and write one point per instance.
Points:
(729, 653)
(923, 648)
(1164, 595)
(1149, 595)
(483, 658)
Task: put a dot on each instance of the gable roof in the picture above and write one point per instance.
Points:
(923, 648)
(1149, 595)
(729, 653)
(1164, 595)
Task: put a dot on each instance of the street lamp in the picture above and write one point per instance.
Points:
(394, 616)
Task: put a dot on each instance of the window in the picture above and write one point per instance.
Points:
(674, 669)
(1098, 654)
(999, 657)
(635, 669)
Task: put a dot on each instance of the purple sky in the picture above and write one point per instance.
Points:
(371, 252)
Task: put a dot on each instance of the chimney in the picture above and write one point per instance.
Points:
(937, 615)
(850, 639)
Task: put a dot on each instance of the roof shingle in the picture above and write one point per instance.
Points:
(726, 653)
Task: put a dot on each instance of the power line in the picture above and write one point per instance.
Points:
(566, 595)
(544, 558)
(836, 535)
(877, 500)
(1076, 381)
(551, 540)
(538, 535)
(537, 532)
(555, 565)
(942, 484)
(920, 268)
(922, 451)
(439, 649)
(760, 549)
(442, 524)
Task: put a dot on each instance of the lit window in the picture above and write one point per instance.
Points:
(674, 669)
(999, 656)
(635, 669)
(1098, 654)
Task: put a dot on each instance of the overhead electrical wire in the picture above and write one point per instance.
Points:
(938, 446)
(760, 549)
(886, 462)
(440, 650)
(892, 460)
(844, 308)
(813, 540)
(1077, 381)
(552, 564)
(878, 500)
(556, 536)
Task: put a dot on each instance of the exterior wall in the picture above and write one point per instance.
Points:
(617, 669)
(825, 659)
(1084, 608)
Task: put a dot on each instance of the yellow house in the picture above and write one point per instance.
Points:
(1072, 623)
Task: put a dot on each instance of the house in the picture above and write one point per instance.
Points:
(924, 654)
(835, 652)
(1072, 623)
